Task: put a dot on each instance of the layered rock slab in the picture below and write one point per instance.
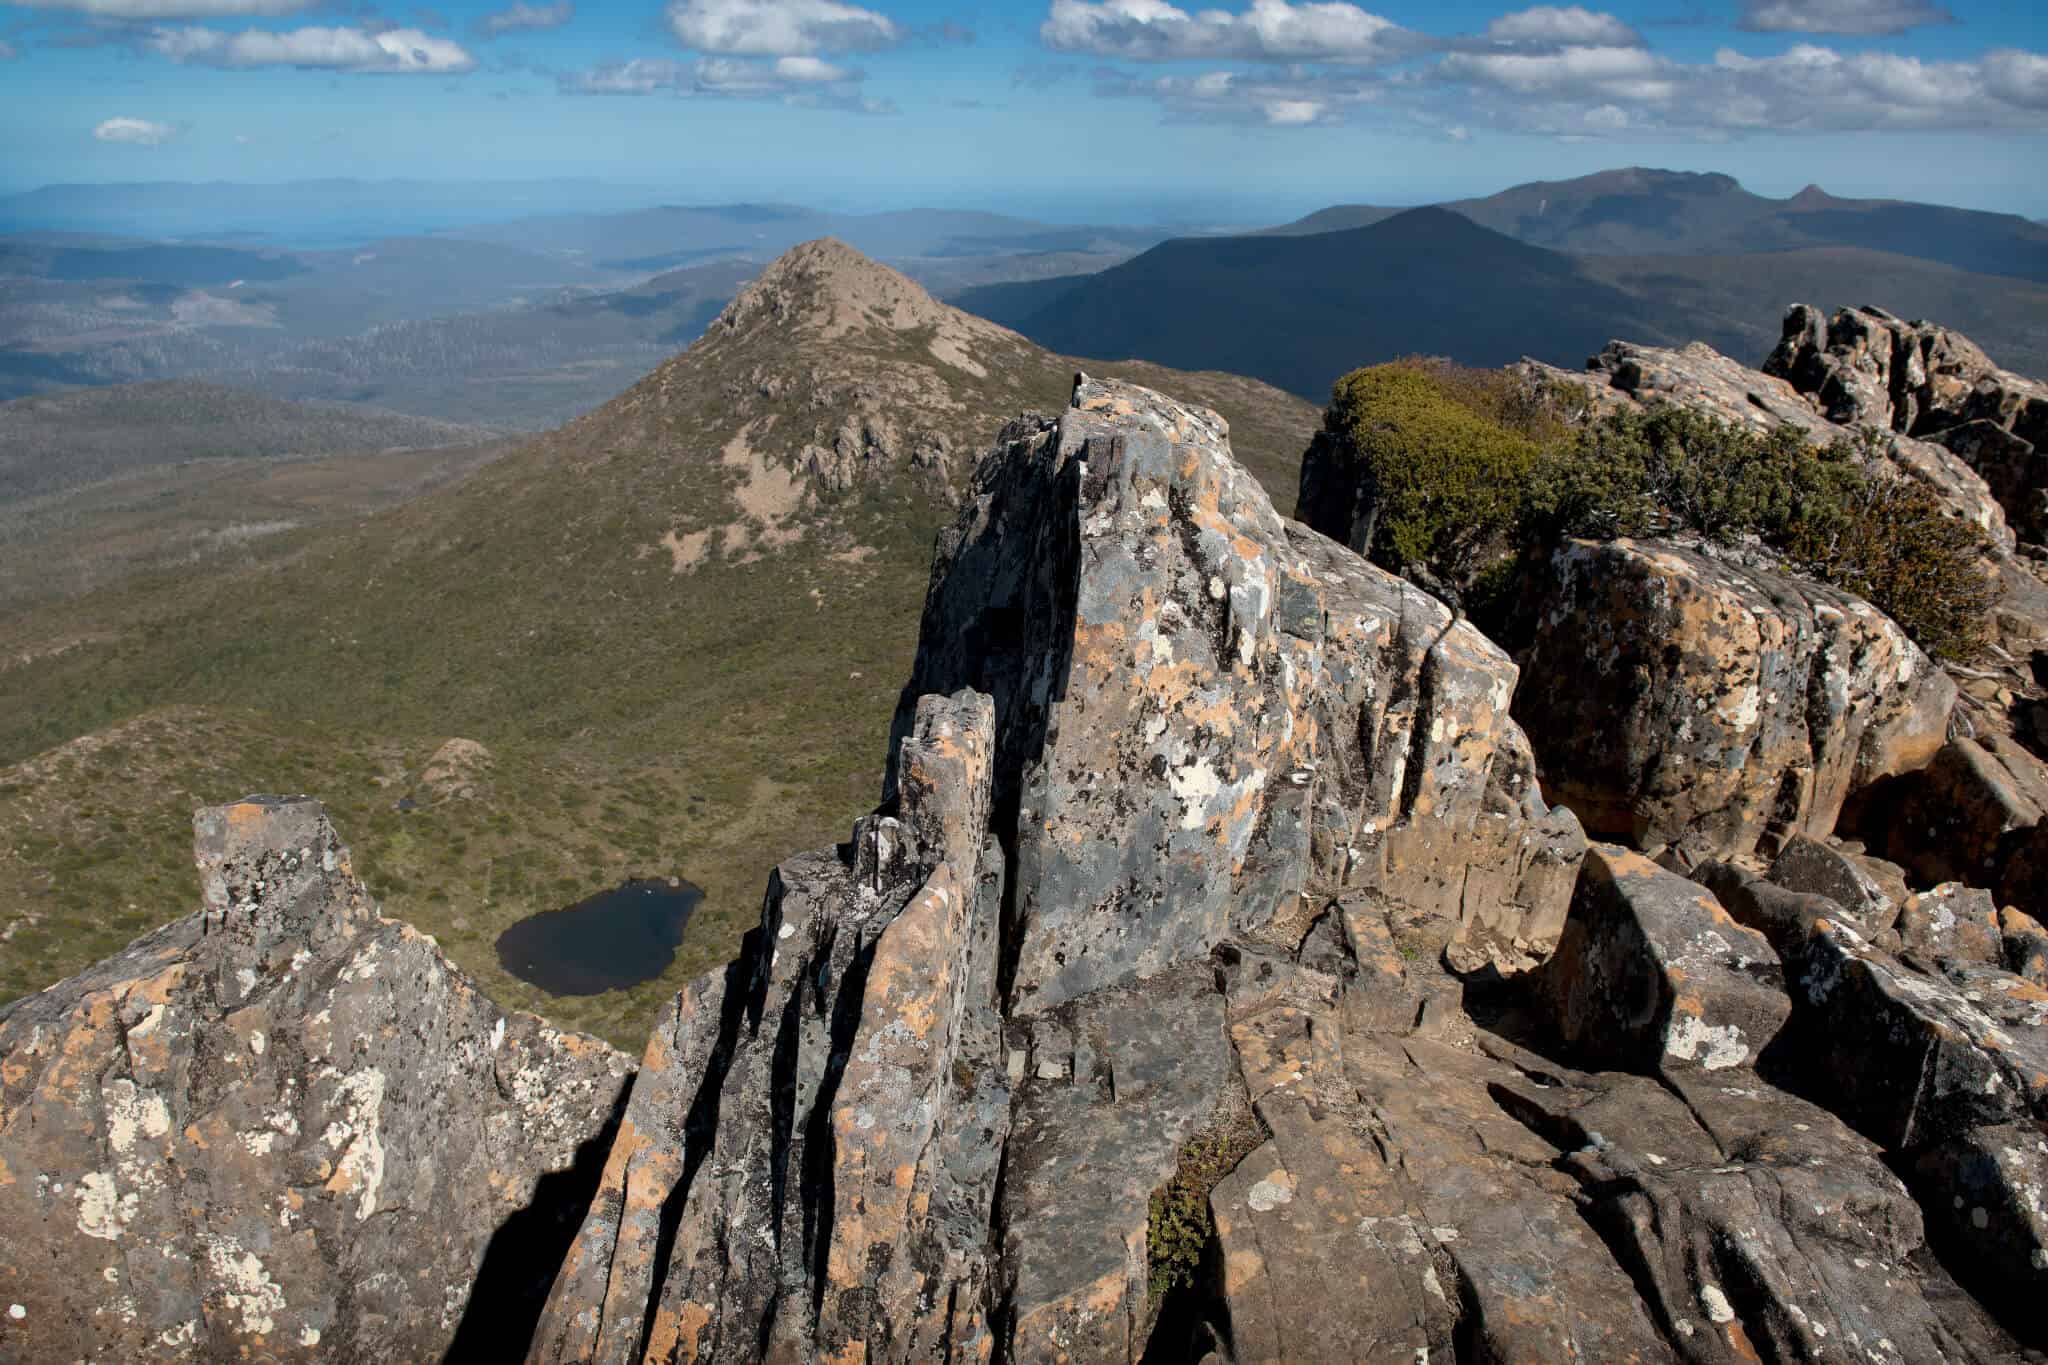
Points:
(282, 1127)
(1678, 698)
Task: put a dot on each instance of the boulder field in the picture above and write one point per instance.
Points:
(1213, 981)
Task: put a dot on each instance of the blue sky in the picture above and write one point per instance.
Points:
(1068, 109)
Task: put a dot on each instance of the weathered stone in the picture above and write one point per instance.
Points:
(1864, 367)
(2025, 942)
(2024, 883)
(1210, 713)
(1757, 1224)
(1961, 816)
(1994, 1216)
(1909, 1058)
(817, 1141)
(1821, 869)
(1677, 698)
(285, 1127)
(1086, 1152)
(1652, 975)
(1951, 923)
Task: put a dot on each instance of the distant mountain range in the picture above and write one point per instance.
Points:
(1640, 212)
(1551, 271)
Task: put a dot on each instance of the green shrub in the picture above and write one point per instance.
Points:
(1446, 481)
(1180, 1225)
(1472, 471)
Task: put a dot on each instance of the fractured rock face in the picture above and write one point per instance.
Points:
(923, 1115)
(1203, 711)
(282, 1126)
(1676, 698)
(1864, 367)
(1963, 816)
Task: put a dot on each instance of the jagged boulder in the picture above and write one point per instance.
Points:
(1964, 816)
(1652, 975)
(1864, 367)
(284, 1128)
(1680, 698)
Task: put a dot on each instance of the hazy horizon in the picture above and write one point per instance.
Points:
(1064, 110)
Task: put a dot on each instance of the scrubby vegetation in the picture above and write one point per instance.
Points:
(1472, 471)
(1180, 1225)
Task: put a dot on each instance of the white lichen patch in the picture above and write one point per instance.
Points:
(1716, 1304)
(103, 1211)
(1713, 1046)
(360, 1169)
(244, 1285)
(1268, 1195)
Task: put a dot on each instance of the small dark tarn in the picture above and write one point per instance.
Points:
(617, 938)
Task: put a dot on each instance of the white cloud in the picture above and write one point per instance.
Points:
(791, 80)
(779, 28)
(1631, 73)
(1562, 26)
(140, 132)
(170, 9)
(1295, 97)
(1598, 92)
(1270, 31)
(2017, 77)
(525, 18)
(393, 52)
(1841, 16)
(1292, 113)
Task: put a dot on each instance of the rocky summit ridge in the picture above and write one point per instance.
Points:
(1225, 973)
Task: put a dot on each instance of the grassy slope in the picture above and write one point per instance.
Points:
(702, 723)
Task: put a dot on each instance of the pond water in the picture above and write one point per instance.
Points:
(614, 939)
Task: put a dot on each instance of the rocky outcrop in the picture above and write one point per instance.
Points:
(1687, 699)
(1701, 378)
(284, 1128)
(1865, 368)
(924, 1114)
(1941, 1056)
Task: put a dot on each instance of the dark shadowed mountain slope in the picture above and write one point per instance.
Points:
(1299, 311)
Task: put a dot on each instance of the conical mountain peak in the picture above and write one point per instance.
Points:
(826, 286)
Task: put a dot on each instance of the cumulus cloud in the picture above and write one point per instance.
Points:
(1270, 31)
(1841, 16)
(525, 18)
(779, 28)
(170, 9)
(1631, 73)
(1290, 98)
(398, 51)
(1561, 26)
(1602, 92)
(790, 80)
(2018, 78)
(139, 132)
